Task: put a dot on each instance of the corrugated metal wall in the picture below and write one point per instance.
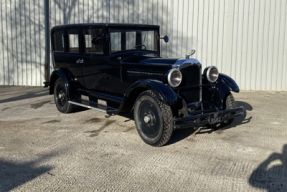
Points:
(22, 42)
(246, 39)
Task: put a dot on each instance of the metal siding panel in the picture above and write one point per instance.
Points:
(12, 68)
(260, 45)
(194, 25)
(276, 45)
(234, 40)
(284, 71)
(2, 48)
(271, 45)
(249, 54)
(85, 11)
(32, 44)
(15, 38)
(175, 27)
(189, 5)
(255, 38)
(282, 43)
(21, 42)
(220, 34)
(215, 33)
(36, 42)
(130, 7)
(167, 19)
(5, 43)
(104, 11)
(184, 39)
(244, 44)
(228, 27)
(42, 45)
(180, 28)
(210, 30)
(200, 32)
(264, 63)
(205, 24)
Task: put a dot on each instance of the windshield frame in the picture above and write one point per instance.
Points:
(113, 29)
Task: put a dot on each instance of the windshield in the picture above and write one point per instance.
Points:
(137, 39)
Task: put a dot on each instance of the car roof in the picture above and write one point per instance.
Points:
(104, 25)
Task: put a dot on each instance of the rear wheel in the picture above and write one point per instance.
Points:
(60, 97)
(153, 119)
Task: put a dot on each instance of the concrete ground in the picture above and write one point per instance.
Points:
(44, 150)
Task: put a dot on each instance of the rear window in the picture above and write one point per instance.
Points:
(73, 37)
(59, 41)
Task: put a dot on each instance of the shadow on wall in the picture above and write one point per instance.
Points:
(14, 174)
(272, 173)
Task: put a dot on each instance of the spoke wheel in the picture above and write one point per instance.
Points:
(60, 97)
(153, 119)
(229, 104)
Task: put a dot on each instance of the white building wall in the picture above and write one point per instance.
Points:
(246, 39)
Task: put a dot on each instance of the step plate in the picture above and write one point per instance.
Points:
(92, 105)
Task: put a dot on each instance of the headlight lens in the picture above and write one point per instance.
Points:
(212, 74)
(174, 78)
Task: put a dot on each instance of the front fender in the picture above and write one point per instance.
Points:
(162, 91)
(55, 75)
(226, 84)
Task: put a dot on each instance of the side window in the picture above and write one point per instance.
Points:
(115, 41)
(73, 37)
(59, 41)
(97, 46)
(130, 40)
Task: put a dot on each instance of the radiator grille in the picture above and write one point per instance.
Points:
(190, 77)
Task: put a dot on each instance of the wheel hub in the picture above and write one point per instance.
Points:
(147, 119)
(61, 95)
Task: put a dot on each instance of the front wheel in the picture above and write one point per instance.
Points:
(229, 104)
(153, 119)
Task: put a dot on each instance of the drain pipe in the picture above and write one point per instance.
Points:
(47, 44)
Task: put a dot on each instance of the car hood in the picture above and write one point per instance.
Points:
(174, 62)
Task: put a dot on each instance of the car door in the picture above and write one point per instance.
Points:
(73, 58)
(94, 64)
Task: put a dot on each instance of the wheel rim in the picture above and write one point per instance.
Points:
(61, 95)
(149, 119)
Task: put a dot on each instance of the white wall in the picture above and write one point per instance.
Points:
(246, 39)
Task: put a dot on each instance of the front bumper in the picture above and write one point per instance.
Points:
(198, 118)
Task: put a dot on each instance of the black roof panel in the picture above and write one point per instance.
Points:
(104, 24)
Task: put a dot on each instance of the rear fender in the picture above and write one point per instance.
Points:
(55, 75)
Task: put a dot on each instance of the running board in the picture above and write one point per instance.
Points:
(93, 105)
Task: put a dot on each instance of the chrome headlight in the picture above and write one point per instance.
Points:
(211, 74)
(174, 77)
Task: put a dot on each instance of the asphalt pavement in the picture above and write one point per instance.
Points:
(44, 150)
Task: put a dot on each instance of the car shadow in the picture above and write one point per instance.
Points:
(14, 174)
(271, 174)
(181, 134)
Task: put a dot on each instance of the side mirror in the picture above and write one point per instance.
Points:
(165, 38)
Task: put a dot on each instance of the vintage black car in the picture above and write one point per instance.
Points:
(117, 69)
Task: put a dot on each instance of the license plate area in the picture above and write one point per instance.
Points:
(215, 117)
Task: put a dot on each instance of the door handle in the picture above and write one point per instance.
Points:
(80, 61)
